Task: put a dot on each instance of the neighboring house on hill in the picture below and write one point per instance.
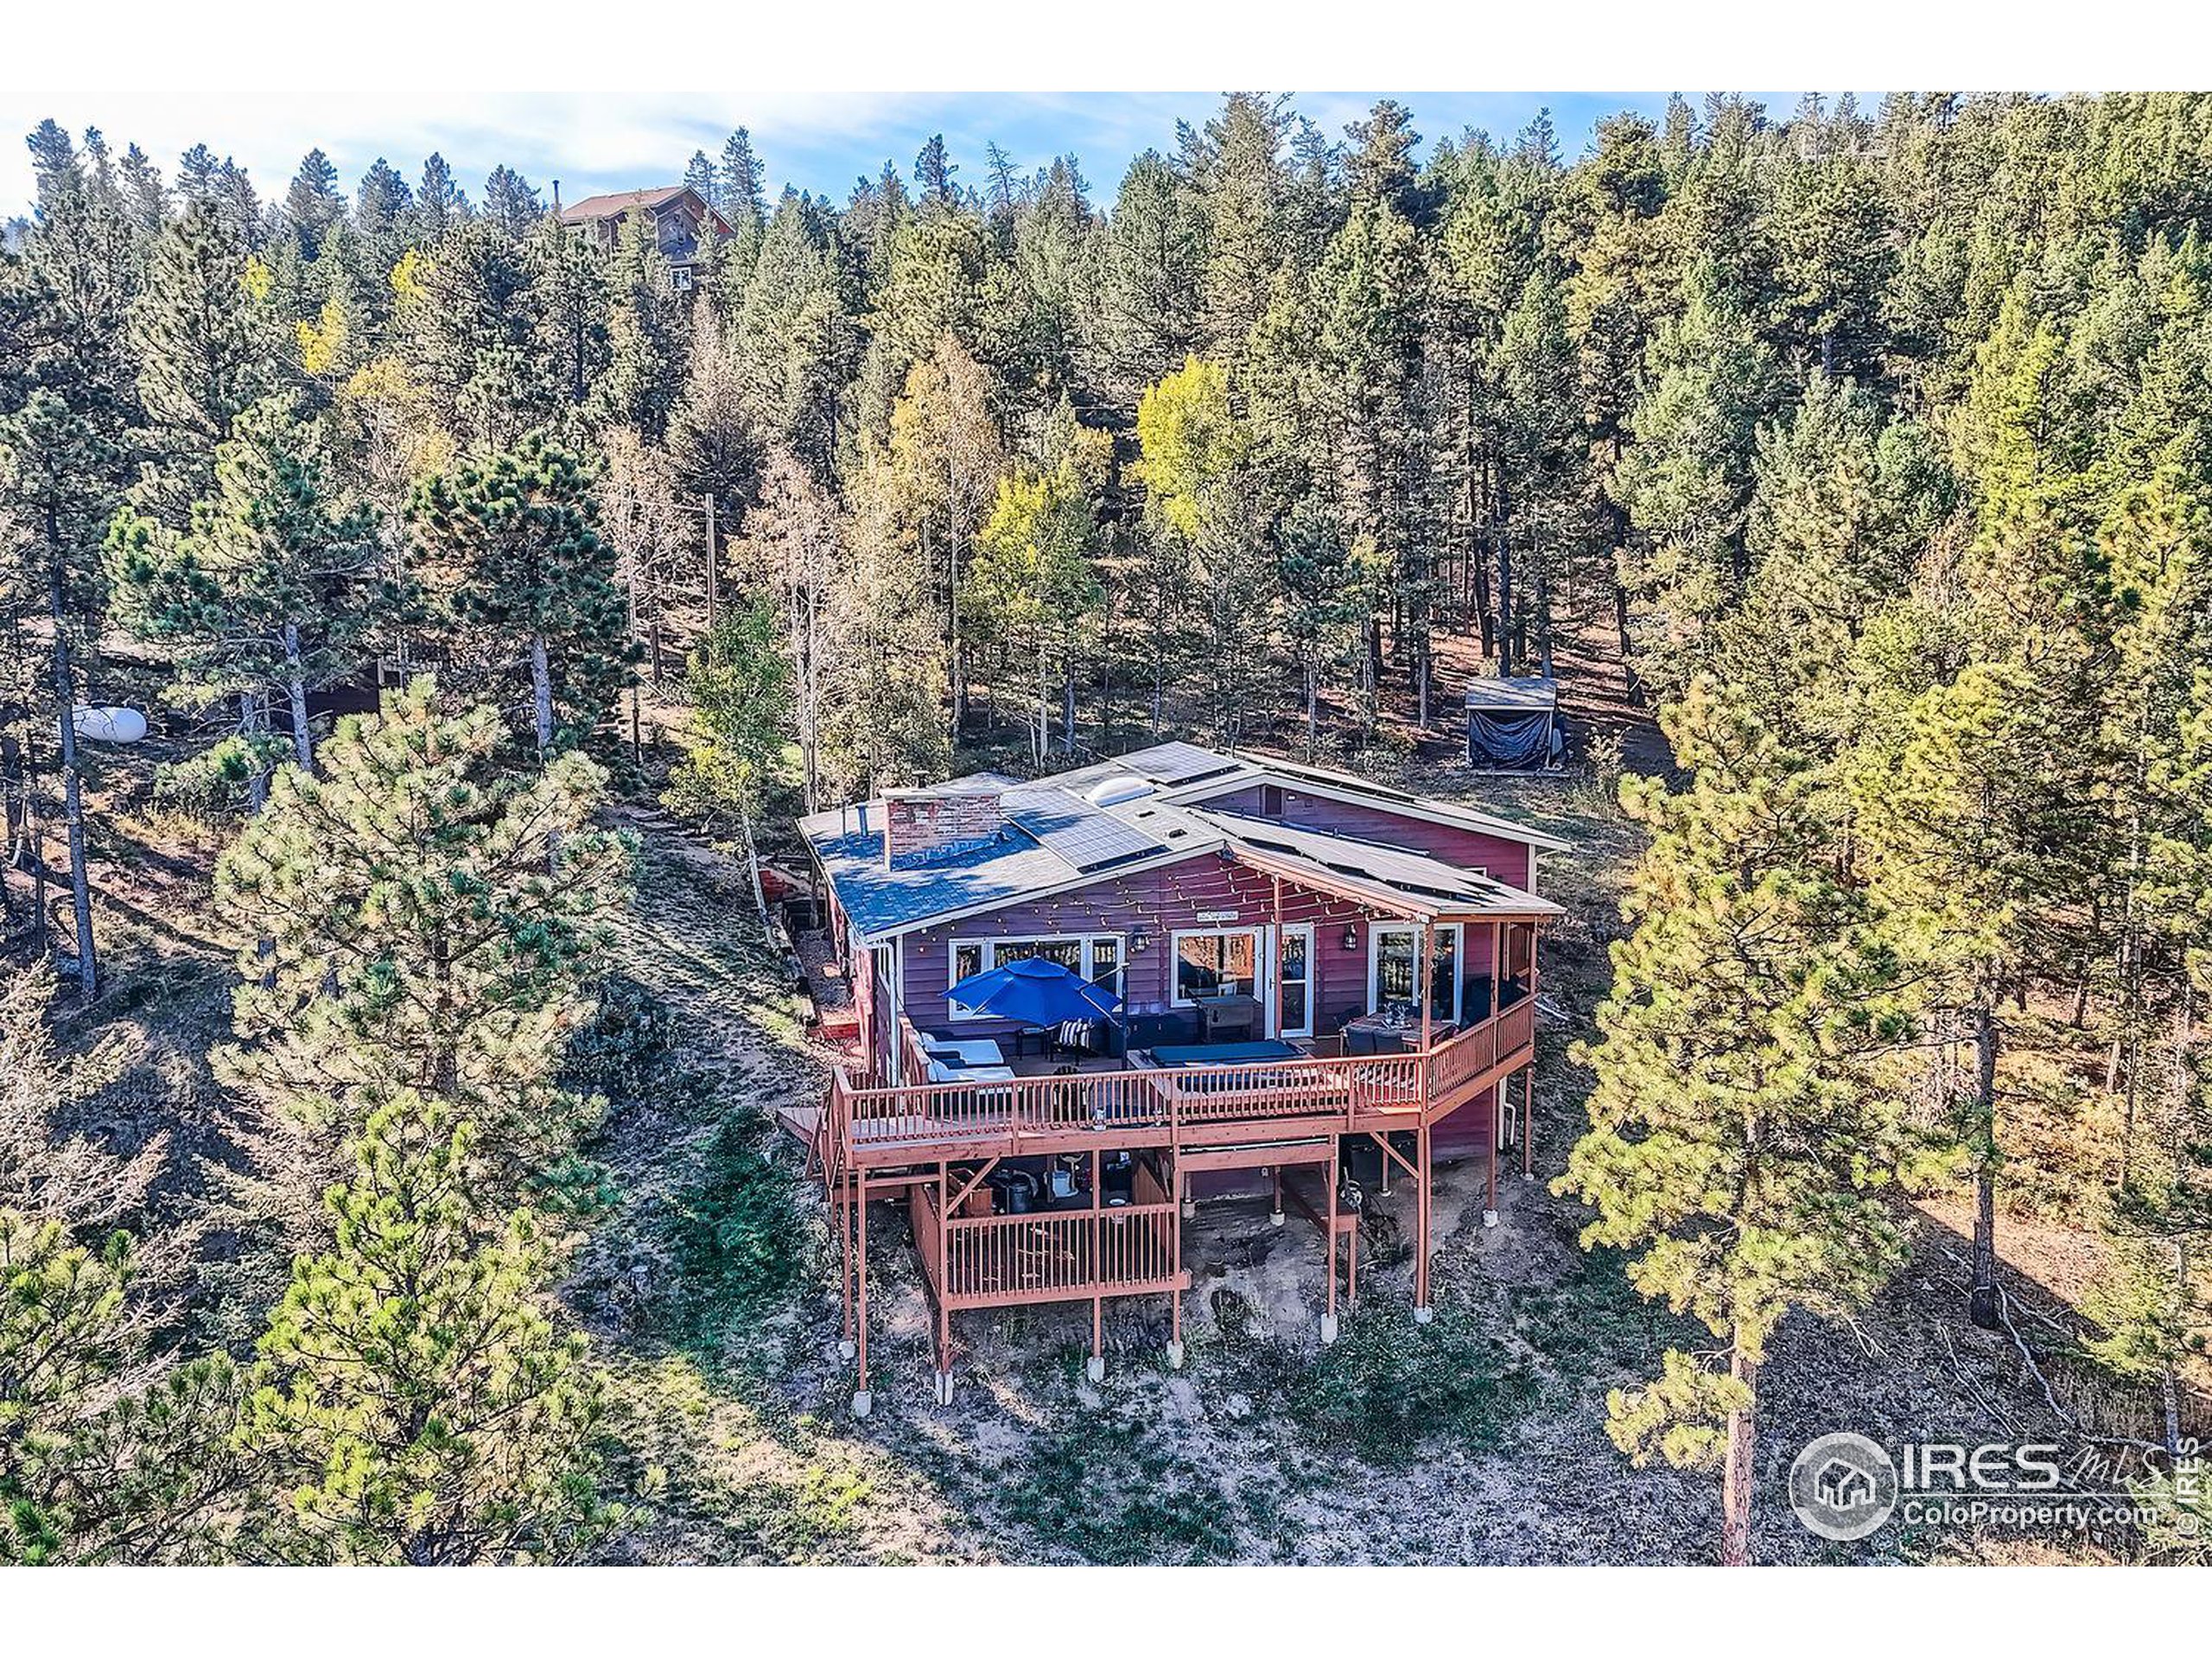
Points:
(682, 221)
(1318, 976)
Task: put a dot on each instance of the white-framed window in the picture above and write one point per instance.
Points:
(679, 278)
(1097, 956)
(1215, 962)
(1391, 951)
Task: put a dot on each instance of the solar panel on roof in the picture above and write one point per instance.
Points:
(1177, 763)
(1073, 829)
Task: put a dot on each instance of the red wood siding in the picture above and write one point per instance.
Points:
(1162, 901)
(1508, 860)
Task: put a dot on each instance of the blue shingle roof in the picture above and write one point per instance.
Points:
(1056, 836)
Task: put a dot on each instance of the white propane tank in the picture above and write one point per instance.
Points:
(108, 725)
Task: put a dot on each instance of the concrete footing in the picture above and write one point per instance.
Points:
(941, 1387)
(847, 1350)
(1423, 1315)
(1175, 1356)
(1489, 1217)
(1328, 1329)
(1096, 1368)
(863, 1403)
(1276, 1218)
(1190, 1209)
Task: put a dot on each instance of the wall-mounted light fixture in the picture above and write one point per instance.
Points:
(1140, 942)
(1351, 937)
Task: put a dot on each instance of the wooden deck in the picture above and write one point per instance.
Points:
(936, 1144)
(885, 1128)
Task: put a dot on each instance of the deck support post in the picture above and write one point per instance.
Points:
(1496, 946)
(1497, 1122)
(1422, 1311)
(1328, 1311)
(1096, 1368)
(1275, 1215)
(942, 1386)
(843, 1207)
(1175, 1267)
(863, 1400)
(1528, 1124)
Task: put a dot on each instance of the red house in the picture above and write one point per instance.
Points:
(1316, 973)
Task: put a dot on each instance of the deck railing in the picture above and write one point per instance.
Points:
(1347, 1089)
(1055, 1253)
(1455, 1064)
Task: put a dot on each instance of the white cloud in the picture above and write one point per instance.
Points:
(606, 140)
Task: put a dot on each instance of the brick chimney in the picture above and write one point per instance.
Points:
(922, 827)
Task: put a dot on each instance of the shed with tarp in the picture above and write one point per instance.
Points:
(1513, 725)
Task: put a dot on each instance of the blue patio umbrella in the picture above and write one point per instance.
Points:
(1035, 992)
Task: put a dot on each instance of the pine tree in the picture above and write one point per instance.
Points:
(740, 194)
(205, 350)
(1146, 318)
(416, 1401)
(570, 302)
(469, 336)
(1956, 839)
(65, 413)
(509, 549)
(647, 334)
(1546, 453)
(739, 686)
(420, 915)
(439, 205)
(933, 171)
(1835, 256)
(1234, 168)
(512, 203)
(271, 591)
(1739, 1140)
(884, 688)
(1369, 295)
(314, 203)
(383, 203)
(101, 1457)
(784, 337)
(145, 198)
(1685, 481)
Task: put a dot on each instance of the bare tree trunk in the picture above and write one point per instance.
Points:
(1504, 601)
(752, 866)
(73, 792)
(1739, 1472)
(250, 725)
(1543, 621)
(541, 692)
(1477, 566)
(295, 685)
(1982, 1304)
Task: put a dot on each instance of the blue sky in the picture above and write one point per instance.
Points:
(619, 140)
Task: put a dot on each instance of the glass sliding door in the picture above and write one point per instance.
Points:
(1294, 982)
